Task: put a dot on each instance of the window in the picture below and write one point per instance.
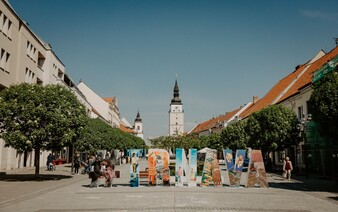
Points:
(1, 20)
(29, 76)
(60, 74)
(309, 107)
(4, 60)
(5, 25)
(39, 81)
(300, 112)
(41, 60)
(31, 51)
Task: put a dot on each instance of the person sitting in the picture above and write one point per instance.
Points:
(49, 163)
(110, 175)
(95, 174)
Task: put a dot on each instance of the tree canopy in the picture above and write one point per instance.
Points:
(271, 128)
(98, 135)
(324, 102)
(35, 117)
(234, 135)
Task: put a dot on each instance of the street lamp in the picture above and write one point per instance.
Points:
(301, 126)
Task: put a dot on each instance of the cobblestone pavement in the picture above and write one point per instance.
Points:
(72, 193)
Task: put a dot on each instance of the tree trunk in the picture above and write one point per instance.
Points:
(274, 160)
(37, 162)
(72, 158)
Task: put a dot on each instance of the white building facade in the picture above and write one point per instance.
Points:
(107, 109)
(138, 126)
(176, 114)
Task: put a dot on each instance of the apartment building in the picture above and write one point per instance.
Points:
(26, 58)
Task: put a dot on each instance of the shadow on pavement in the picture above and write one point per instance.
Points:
(31, 177)
(114, 185)
(300, 186)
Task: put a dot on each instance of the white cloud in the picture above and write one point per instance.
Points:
(327, 16)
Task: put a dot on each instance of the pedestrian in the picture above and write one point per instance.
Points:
(49, 163)
(287, 168)
(95, 174)
(110, 175)
(76, 164)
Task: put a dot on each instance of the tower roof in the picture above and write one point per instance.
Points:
(176, 100)
(138, 117)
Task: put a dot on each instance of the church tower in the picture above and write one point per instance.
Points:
(138, 125)
(176, 114)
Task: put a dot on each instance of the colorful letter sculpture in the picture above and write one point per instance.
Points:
(184, 172)
(192, 172)
(180, 167)
(134, 167)
(211, 172)
(257, 175)
(234, 169)
(248, 161)
(158, 166)
(229, 163)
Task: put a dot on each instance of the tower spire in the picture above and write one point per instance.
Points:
(176, 100)
(138, 117)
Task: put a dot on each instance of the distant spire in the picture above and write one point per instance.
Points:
(176, 100)
(138, 117)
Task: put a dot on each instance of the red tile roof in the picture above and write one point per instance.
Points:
(290, 85)
(126, 129)
(212, 122)
(272, 94)
(306, 78)
(109, 99)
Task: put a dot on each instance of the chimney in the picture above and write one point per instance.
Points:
(336, 39)
(254, 99)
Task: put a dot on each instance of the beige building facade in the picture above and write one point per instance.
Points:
(25, 58)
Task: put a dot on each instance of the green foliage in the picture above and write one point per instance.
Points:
(186, 142)
(212, 141)
(324, 102)
(271, 128)
(234, 135)
(40, 117)
(98, 135)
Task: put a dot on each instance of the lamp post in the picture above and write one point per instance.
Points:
(302, 127)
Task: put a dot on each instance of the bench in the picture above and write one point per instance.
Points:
(59, 161)
(144, 174)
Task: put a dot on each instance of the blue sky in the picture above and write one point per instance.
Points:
(224, 52)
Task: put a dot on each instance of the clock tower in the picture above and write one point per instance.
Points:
(176, 114)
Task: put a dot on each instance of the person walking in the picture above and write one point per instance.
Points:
(287, 168)
(76, 165)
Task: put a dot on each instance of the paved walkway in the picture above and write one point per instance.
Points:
(71, 193)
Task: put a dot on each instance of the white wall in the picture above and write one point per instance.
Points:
(101, 106)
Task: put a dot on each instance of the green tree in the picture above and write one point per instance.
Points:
(35, 117)
(324, 102)
(94, 135)
(98, 135)
(271, 128)
(214, 141)
(234, 135)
